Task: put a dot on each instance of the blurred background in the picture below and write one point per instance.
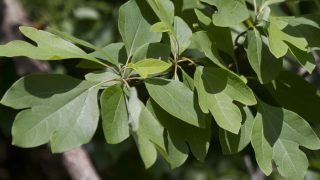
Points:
(96, 21)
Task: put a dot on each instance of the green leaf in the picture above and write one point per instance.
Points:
(229, 83)
(149, 67)
(290, 160)
(296, 94)
(147, 131)
(190, 4)
(115, 120)
(298, 21)
(234, 143)
(134, 109)
(152, 51)
(116, 53)
(203, 18)
(224, 41)
(177, 99)
(49, 47)
(71, 38)
(42, 121)
(75, 40)
(164, 9)
(201, 41)
(217, 89)
(230, 12)
(160, 27)
(261, 146)
(266, 66)
(181, 135)
(134, 28)
(278, 39)
(180, 40)
(306, 59)
(187, 80)
(308, 26)
(201, 91)
(102, 76)
(282, 132)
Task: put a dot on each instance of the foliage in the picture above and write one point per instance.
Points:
(195, 79)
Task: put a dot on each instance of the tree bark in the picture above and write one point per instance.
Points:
(78, 165)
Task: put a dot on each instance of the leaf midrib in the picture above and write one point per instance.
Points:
(54, 112)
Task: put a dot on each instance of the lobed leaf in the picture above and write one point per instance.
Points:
(49, 47)
(278, 39)
(65, 112)
(230, 12)
(181, 135)
(217, 89)
(277, 135)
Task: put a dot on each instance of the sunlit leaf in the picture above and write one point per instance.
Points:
(134, 28)
(230, 12)
(149, 67)
(49, 47)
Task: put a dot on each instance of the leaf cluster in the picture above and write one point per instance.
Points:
(194, 80)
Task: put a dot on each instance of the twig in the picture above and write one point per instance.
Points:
(236, 41)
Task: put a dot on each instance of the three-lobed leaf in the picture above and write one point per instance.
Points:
(65, 112)
(279, 38)
(217, 89)
(277, 134)
(230, 12)
(49, 47)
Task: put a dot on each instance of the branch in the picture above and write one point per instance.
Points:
(78, 165)
(255, 174)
